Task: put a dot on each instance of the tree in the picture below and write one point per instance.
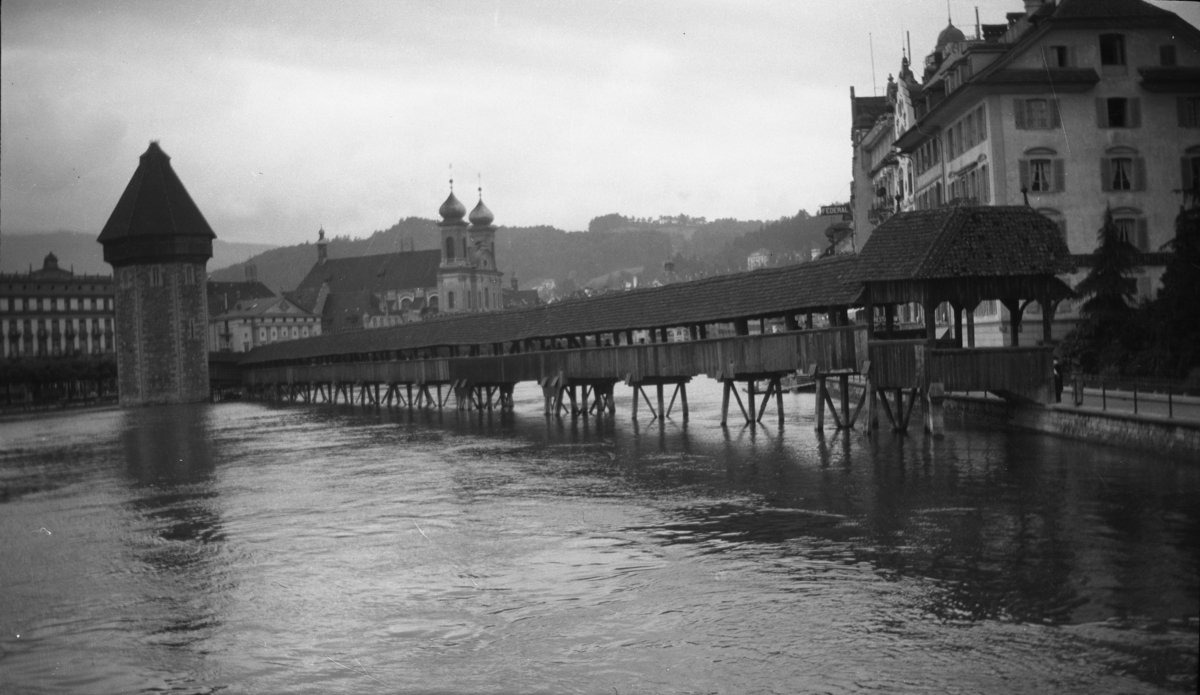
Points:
(1107, 338)
(1107, 285)
(1175, 309)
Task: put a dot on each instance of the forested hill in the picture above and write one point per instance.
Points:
(614, 246)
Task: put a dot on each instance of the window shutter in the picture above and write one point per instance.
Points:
(1186, 174)
(1139, 174)
(1105, 174)
(1135, 112)
(1143, 235)
(1060, 176)
(1019, 113)
(1024, 170)
(1055, 121)
(1072, 58)
(1181, 108)
(982, 124)
(1101, 113)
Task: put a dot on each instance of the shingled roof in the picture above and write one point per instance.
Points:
(356, 283)
(964, 242)
(155, 203)
(814, 286)
(223, 296)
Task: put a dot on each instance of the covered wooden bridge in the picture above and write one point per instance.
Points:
(747, 328)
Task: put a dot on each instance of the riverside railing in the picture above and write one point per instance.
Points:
(1142, 394)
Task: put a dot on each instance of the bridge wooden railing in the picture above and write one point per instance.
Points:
(833, 349)
(1021, 372)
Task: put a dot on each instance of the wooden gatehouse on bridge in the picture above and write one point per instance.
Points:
(747, 328)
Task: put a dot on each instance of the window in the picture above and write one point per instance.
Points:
(984, 185)
(1133, 230)
(1122, 174)
(1190, 170)
(1036, 114)
(189, 275)
(1057, 57)
(1189, 111)
(1039, 171)
(449, 249)
(1118, 112)
(1166, 56)
(1122, 170)
(449, 300)
(1112, 49)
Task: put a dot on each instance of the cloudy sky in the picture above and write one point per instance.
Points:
(282, 116)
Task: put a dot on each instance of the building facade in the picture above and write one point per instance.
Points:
(52, 312)
(1071, 107)
(158, 244)
(253, 322)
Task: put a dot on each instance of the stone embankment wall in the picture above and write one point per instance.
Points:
(1147, 433)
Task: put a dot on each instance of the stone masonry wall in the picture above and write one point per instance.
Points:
(162, 354)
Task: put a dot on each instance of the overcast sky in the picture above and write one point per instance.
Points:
(283, 116)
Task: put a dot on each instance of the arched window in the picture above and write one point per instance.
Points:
(449, 248)
(449, 300)
(465, 255)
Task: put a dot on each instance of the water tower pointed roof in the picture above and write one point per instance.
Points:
(155, 218)
(481, 216)
(155, 203)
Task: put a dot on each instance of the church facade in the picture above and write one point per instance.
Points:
(389, 289)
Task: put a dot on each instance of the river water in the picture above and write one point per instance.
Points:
(257, 548)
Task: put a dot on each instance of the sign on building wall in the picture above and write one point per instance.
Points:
(836, 209)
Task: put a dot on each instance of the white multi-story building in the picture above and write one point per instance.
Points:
(1072, 107)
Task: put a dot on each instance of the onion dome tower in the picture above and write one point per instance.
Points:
(158, 244)
(489, 290)
(453, 273)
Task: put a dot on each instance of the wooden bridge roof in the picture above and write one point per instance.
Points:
(818, 285)
(964, 242)
(964, 254)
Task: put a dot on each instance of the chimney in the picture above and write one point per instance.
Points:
(515, 284)
(1032, 6)
(322, 247)
(251, 272)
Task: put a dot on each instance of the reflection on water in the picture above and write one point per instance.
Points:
(265, 549)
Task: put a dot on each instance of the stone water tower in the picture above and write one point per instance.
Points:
(158, 244)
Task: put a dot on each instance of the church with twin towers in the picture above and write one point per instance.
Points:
(389, 289)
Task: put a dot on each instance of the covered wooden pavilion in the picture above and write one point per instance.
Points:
(962, 256)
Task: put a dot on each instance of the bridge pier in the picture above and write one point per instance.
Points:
(846, 418)
(663, 410)
(753, 410)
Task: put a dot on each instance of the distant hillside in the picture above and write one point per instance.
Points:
(793, 236)
(79, 249)
(614, 249)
